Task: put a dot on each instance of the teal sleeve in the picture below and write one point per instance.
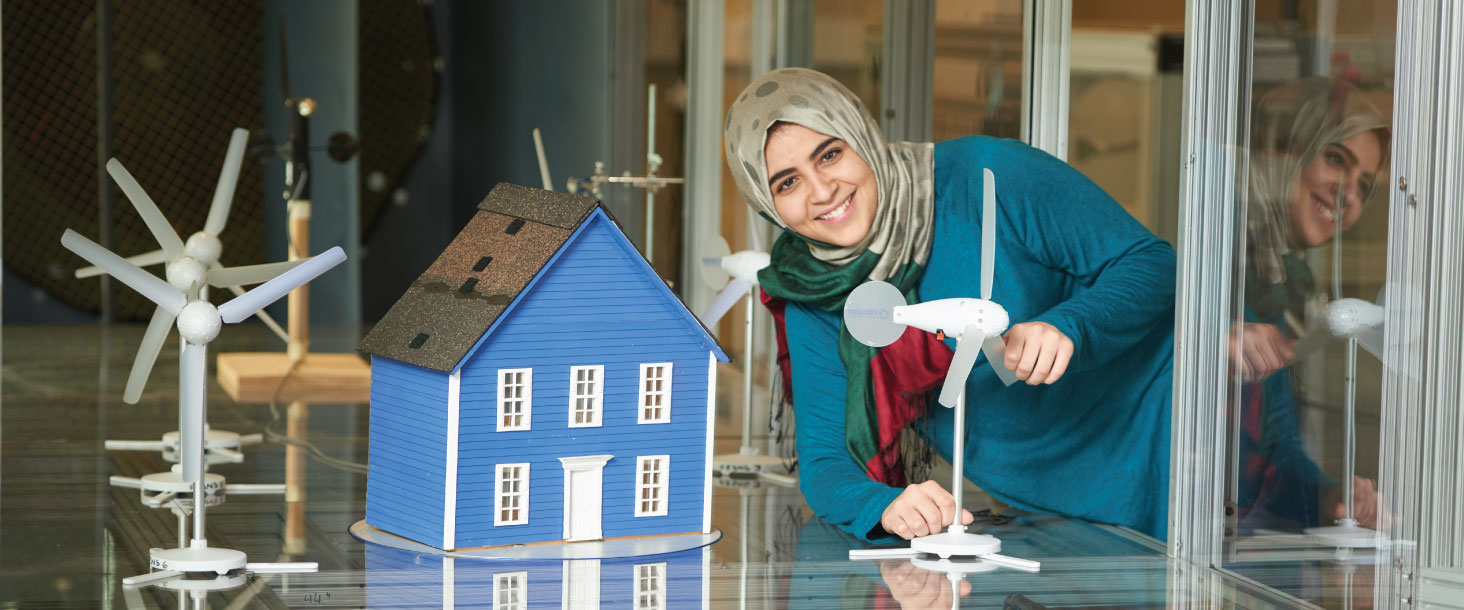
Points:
(835, 486)
(1124, 275)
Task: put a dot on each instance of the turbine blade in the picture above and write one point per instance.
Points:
(264, 317)
(244, 306)
(995, 349)
(988, 232)
(141, 260)
(151, 215)
(190, 419)
(248, 275)
(725, 300)
(967, 347)
(146, 284)
(1371, 339)
(218, 212)
(147, 354)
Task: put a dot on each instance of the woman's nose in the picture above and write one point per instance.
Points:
(822, 187)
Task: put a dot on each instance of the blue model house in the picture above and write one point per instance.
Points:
(539, 382)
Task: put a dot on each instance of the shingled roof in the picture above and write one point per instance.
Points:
(503, 247)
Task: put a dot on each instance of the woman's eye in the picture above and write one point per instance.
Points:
(786, 184)
(830, 155)
(1335, 158)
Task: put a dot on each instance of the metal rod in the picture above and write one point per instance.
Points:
(198, 501)
(747, 373)
(958, 459)
(652, 164)
(1349, 398)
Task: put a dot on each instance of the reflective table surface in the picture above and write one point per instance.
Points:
(68, 537)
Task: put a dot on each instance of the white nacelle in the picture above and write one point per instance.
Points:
(199, 322)
(186, 274)
(952, 316)
(744, 265)
(203, 247)
(1346, 317)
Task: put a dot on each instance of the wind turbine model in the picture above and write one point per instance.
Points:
(876, 315)
(1359, 323)
(736, 275)
(189, 265)
(198, 321)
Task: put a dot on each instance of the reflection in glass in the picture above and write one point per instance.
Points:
(1304, 402)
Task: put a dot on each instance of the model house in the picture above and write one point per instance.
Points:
(539, 382)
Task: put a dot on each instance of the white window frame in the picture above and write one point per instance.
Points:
(652, 598)
(661, 396)
(515, 582)
(526, 406)
(658, 488)
(499, 495)
(596, 395)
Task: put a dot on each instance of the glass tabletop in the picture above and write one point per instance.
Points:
(68, 535)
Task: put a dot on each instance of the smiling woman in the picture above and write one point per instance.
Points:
(1089, 289)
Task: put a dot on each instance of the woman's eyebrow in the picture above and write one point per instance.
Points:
(818, 151)
(1351, 156)
(778, 176)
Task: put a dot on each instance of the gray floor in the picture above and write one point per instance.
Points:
(67, 537)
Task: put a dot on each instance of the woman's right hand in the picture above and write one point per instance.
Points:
(1258, 350)
(922, 509)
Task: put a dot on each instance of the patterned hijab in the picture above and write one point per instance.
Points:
(1290, 126)
(885, 389)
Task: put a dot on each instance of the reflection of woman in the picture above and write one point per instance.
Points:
(1317, 147)
(1090, 293)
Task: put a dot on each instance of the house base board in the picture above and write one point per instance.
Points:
(610, 548)
(320, 378)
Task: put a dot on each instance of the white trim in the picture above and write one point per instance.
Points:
(523, 493)
(662, 485)
(527, 407)
(519, 581)
(596, 395)
(711, 413)
(706, 577)
(596, 503)
(664, 394)
(657, 576)
(449, 484)
(449, 586)
(1046, 46)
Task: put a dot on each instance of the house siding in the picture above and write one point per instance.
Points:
(408, 436)
(596, 304)
(400, 579)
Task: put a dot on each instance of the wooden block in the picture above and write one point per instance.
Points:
(320, 378)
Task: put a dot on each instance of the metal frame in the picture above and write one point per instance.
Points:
(1216, 84)
(907, 75)
(1422, 430)
(703, 162)
(1046, 33)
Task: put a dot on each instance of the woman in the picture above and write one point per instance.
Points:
(1318, 146)
(1089, 291)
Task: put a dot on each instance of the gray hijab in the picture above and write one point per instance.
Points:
(901, 231)
(1290, 126)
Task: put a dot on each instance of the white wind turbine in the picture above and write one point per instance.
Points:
(736, 276)
(189, 267)
(199, 322)
(876, 314)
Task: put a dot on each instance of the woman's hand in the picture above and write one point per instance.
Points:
(1364, 503)
(922, 509)
(914, 587)
(1038, 352)
(1258, 350)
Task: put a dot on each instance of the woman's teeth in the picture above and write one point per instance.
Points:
(839, 211)
(1326, 209)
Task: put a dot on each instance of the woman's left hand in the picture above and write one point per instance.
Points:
(1037, 352)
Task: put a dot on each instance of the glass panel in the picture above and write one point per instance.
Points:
(1304, 405)
(978, 68)
(1125, 105)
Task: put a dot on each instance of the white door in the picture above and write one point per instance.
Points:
(581, 584)
(583, 496)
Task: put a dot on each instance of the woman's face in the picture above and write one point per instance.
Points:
(1349, 166)
(821, 188)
